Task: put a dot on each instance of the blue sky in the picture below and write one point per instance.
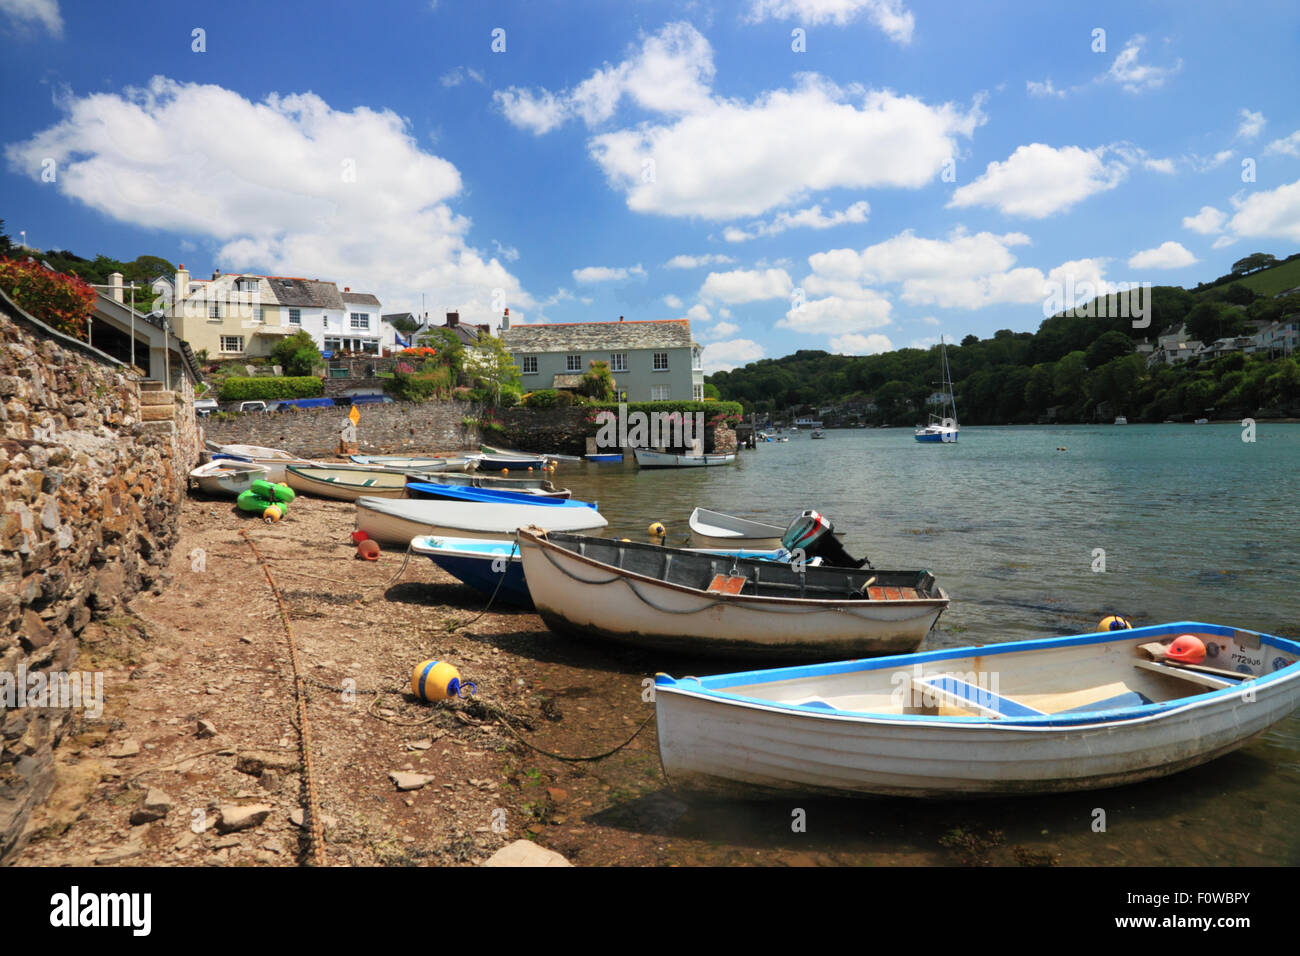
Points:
(915, 169)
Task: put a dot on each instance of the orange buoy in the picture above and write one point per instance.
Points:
(368, 549)
(1186, 649)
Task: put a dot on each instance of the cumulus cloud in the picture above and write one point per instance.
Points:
(726, 355)
(1252, 124)
(345, 195)
(855, 310)
(1287, 145)
(696, 262)
(890, 16)
(746, 285)
(592, 274)
(672, 301)
(699, 313)
(715, 158)
(1207, 222)
(1167, 255)
(1136, 77)
(29, 14)
(856, 344)
(1271, 214)
(1044, 88)
(459, 75)
(810, 218)
(1038, 180)
(722, 330)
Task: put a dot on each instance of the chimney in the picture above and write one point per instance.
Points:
(620, 318)
(115, 283)
(505, 321)
(453, 319)
(347, 288)
(216, 274)
(182, 290)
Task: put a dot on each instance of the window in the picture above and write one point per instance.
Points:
(696, 359)
(246, 285)
(618, 362)
(659, 393)
(232, 343)
(661, 362)
(360, 320)
(214, 310)
(573, 363)
(257, 314)
(295, 316)
(697, 392)
(529, 364)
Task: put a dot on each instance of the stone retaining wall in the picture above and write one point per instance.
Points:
(91, 479)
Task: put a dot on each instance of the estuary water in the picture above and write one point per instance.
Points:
(1033, 532)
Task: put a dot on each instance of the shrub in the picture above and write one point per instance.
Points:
(241, 389)
(297, 354)
(61, 301)
(542, 398)
(411, 386)
(597, 382)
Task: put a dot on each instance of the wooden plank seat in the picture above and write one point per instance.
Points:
(1216, 681)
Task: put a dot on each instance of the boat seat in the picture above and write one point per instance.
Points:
(727, 583)
(1216, 681)
(1130, 699)
(962, 693)
(876, 593)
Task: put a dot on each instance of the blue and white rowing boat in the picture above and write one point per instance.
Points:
(429, 489)
(1060, 714)
(605, 459)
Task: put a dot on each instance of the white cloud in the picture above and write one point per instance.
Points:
(718, 159)
(1043, 89)
(1272, 214)
(1202, 164)
(1223, 242)
(1167, 255)
(855, 344)
(724, 356)
(930, 320)
(672, 302)
(1038, 180)
(1287, 145)
(508, 253)
(695, 262)
(722, 330)
(924, 343)
(746, 285)
(1134, 76)
(539, 112)
(459, 75)
(344, 195)
(857, 311)
(889, 16)
(32, 13)
(1165, 166)
(1207, 222)
(699, 313)
(1252, 124)
(810, 218)
(591, 274)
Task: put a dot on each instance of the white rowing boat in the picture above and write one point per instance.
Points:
(397, 522)
(658, 459)
(713, 529)
(346, 483)
(675, 600)
(227, 477)
(1061, 714)
(273, 459)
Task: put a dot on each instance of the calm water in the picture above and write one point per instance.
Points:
(1195, 524)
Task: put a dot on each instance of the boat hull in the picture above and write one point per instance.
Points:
(492, 567)
(397, 522)
(229, 481)
(348, 485)
(576, 596)
(657, 459)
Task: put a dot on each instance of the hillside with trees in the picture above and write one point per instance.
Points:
(1076, 368)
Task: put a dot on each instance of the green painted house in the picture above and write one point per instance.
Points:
(651, 361)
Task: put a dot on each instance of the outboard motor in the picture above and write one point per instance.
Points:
(814, 535)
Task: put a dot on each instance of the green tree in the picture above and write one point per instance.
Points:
(493, 368)
(1109, 345)
(597, 382)
(1253, 263)
(1213, 320)
(451, 352)
(297, 353)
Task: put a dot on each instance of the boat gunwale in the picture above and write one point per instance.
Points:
(1045, 722)
(828, 604)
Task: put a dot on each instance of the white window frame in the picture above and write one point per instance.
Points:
(573, 363)
(698, 392)
(232, 338)
(528, 364)
(697, 359)
(618, 361)
(660, 368)
(364, 318)
(214, 311)
(295, 316)
(660, 393)
(258, 314)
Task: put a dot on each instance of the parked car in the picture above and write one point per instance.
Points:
(203, 407)
(258, 406)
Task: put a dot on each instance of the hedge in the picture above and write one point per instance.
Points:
(239, 389)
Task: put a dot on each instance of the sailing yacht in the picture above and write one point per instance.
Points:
(942, 429)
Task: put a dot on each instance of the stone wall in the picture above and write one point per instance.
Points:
(383, 429)
(562, 431)
(91, 479)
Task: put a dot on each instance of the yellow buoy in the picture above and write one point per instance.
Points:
(436, 680)
(1114, 623)
(657, 529)
(530, 467)
(505, 471)
(272, 514)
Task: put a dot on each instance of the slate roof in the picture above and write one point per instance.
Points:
(360, 298)
(598, 336)
(306, 293)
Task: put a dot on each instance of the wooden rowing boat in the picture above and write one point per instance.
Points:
(657, 459)
(227, 477)
(346, 483)
(1060, 714)
(397, 522)
(676, 600)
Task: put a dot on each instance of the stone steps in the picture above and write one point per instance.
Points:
(158, 413)
(157, 398)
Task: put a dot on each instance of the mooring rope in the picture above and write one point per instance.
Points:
(316, 834)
